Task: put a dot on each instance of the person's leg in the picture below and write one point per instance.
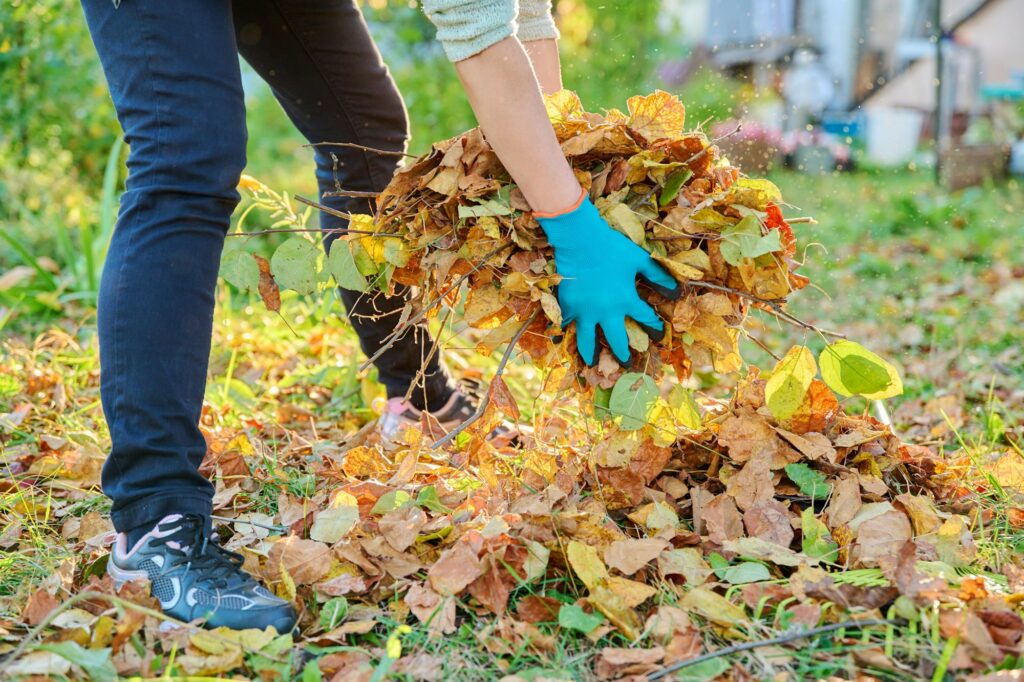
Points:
(325, 70)
(173, 74)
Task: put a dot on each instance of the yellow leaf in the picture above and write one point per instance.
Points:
(616, 610)
(586, 563)
(563, 105)
(631, 592)
(713, 606)
(625, 220)
(788, 384)
(656, 115)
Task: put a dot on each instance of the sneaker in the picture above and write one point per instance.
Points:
(399, 415)
(196, 578)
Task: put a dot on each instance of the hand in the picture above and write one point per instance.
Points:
(599, 267)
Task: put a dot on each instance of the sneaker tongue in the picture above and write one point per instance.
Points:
(181, 529)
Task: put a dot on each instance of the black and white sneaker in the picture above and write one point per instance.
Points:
(195, 578)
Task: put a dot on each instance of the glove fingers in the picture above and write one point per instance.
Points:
(645, 316)
(586, 341)
(615, 334)
(659, 279)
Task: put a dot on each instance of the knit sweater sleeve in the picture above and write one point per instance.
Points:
(468, 27)
(535, 21)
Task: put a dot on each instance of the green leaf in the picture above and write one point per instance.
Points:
(333, 613)
(390, 501)
(485, 207)
(673, 184)
(633, 397)
(786, 387)
(95, 662)
(744, 240)
(573, 617)
(428, 499)
(396, 251)
(239, 268)
(342, 264)
(816, 541)
(740, 574)
(294, 265)
(311, 673)
(811, 482)
(602, 396)
(710, 669)
(364, 261)
(851, 369)
(684, 407)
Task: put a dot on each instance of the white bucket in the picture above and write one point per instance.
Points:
(893, 135)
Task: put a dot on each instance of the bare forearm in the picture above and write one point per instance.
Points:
(504, 93)
(544, 57)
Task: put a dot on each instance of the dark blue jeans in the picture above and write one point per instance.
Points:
(173, 73)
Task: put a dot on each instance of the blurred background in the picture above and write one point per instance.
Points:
(896, 124)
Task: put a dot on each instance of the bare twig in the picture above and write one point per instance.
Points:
(486, 399)
(352, 193)
(782, 639)
(353, 145)
(326, 209)
(773, 307)
(123, 604)
(418, 317)
(312, 230)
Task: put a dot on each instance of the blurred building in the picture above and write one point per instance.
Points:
(879, 53)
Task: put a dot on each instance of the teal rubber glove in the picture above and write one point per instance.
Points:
(599, 267)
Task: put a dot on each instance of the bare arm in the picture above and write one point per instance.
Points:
(544, 57)
(503, 91)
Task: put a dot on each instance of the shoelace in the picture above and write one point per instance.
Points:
(212, 563)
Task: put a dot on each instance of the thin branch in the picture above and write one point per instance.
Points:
(124, 604)
(352, 193)
(782, 639)
(418, 317)
(773, 307)
(353, 145)
(763, 347)
(486, 399)
(326, 209)
(312, 230)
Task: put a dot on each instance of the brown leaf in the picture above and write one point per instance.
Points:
(753, 484)
(269, 291)
(812, 445)
(769, 521)
(455, 569)
(723, 519)
(431, 608)
(493, 588)
(845, 501)
(503, 399)
(306, 561)
(880, 539)
(629, 556)
(535, 608)
(747, 434)
(401, 527)
(38, 607)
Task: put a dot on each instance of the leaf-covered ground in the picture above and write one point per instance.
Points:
(371, 545)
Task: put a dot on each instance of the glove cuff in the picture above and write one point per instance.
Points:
(558, 214)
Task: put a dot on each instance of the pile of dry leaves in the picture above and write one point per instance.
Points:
(667, 527)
